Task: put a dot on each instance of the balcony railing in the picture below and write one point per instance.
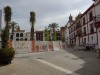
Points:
(97, 18)
(84, 33)
(79, 34)
(97, 21)
(78, 26)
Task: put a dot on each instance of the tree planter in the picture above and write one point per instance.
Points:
(6, 55)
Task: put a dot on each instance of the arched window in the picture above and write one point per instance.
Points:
(21, 34)
(17, 39)
(11, 37)
(17, 34)
(25, 39)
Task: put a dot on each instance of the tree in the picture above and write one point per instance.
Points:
(32, 22)
(13, 26)
(7, 19)
(46, 33)
(6, 52)
(53, 28)
(54, 36)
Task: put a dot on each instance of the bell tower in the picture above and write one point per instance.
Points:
(70, 18)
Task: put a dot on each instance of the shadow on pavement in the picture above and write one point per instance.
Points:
(4, 64)
(91, 65)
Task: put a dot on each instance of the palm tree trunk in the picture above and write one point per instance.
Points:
(12, 32)
(32, 33)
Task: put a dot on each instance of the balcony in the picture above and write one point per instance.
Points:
(84, 33)
(78, 26)
(97, 18)
(79, 34)
(91, 31)
(97, 21)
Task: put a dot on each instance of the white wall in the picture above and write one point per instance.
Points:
(98, 37)
(97, 12)
(22, 46)
(67, 34)
(97, 9)
(94, 41)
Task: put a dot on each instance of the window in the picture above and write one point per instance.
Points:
(85, 40)
(17, 39)
(84, 21)
(84, 31)
(92, 38)
(25, 39)
(17, 34)
(78, 25)
(11, 37)
(91, 28)
(90, 16)
(21, 34)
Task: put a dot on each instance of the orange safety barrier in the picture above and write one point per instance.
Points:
(10, 43)
(33, 46)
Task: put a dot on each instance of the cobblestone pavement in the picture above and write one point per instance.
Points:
(63, 62)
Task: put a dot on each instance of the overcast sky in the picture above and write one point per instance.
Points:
(47, 11)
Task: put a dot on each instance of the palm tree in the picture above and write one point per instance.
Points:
(53, 28)
(7, 16)
(13, 26)
(7, 19)
(32, 22)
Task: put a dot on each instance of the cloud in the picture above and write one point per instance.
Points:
(47, 11)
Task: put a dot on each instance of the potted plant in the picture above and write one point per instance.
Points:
(6, 55)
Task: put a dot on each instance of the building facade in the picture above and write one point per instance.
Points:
(0, 25)
(66, 32)
(97, 20)
(84, 30)
(20, 35)
(39, 35)
(62, 29)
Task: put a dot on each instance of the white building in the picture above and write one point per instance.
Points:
(66, 33)
(97, 19)
(20, 35)
(86, 27)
